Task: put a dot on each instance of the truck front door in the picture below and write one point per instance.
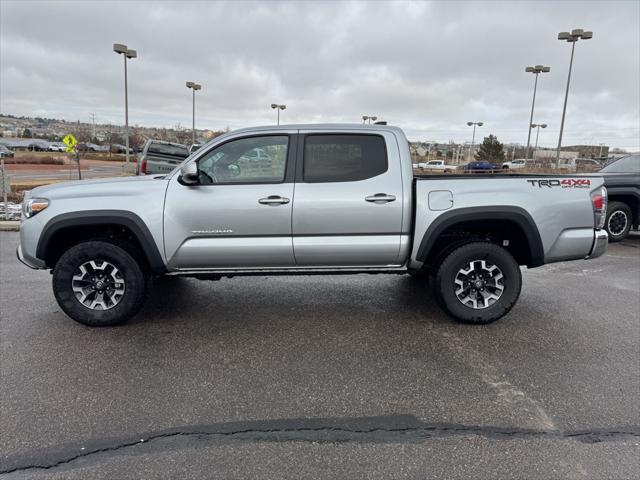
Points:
(239, 215)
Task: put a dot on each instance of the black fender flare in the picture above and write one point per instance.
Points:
(104, 217)
(517, 215)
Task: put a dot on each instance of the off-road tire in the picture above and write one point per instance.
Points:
(135, 278)
(617, 212)
(445, 286)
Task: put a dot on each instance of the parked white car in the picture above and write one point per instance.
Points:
(439, 165)
(57, 147)
(515, 163)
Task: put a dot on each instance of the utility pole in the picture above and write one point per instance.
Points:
(473, 138)
(93, 120)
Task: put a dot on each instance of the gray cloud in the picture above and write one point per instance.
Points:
(427, 67)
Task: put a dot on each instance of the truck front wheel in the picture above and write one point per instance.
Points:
(618, 221)
(99, 284)
(478, 283)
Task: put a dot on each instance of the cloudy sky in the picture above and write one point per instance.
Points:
(428, 67)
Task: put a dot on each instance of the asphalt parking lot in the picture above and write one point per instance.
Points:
(331, 377)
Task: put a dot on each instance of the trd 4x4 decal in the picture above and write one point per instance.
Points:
(563, 183)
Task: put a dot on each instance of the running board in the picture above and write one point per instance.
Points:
(207, 273)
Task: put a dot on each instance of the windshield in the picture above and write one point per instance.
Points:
(630, 164)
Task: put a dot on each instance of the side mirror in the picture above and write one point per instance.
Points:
(189, 173)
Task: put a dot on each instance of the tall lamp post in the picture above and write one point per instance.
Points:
(571, 38)
(537, 70)
(368, 117)
(473, 138)
(193, 87)
(128, 54)
(278, 107)
(537, 126)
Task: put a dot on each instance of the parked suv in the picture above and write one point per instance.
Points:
(160, 157)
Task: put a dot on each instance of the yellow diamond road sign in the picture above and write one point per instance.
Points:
(70, 141)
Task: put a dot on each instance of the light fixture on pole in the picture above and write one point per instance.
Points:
(368, 117)
(278, 107)
(572, 38)
(473, 137)
(537, 70)
(128, 54)
(193, 87)
(537, 126)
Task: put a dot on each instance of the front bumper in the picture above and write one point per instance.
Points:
(30, 262)
(600, 243)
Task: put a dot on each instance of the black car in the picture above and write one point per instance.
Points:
(5, 152)
(481, 166)
(622, 179)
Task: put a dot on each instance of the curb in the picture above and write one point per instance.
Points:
(9, 226)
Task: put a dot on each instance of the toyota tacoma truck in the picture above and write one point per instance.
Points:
(324, 199)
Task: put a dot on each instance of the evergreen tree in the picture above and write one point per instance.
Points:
(491, 150)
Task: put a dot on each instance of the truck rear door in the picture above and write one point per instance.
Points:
(348, 200)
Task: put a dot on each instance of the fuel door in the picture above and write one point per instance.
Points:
(440, 200)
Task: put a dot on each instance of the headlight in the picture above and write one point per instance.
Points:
(34, 205)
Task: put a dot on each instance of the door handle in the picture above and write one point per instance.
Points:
(273, 200)
(380, 198)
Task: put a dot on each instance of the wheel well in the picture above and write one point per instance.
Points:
(630, 201)
(67, 237)
(504, 233)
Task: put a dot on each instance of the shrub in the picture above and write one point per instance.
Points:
(35, 160)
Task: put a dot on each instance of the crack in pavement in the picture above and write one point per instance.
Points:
(382, 429)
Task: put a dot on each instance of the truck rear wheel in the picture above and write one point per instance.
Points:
(478, 283)
(99, 284)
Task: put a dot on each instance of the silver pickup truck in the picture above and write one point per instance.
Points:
(307, 199)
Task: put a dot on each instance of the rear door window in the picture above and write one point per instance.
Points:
(343, 158)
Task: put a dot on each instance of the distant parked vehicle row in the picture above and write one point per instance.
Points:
(10, 211)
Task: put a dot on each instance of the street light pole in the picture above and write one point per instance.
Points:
(537, 70)
(538, 127)
(123, 49)
(193, 87)
(278, 107)
(572, 38)
(473, 138)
